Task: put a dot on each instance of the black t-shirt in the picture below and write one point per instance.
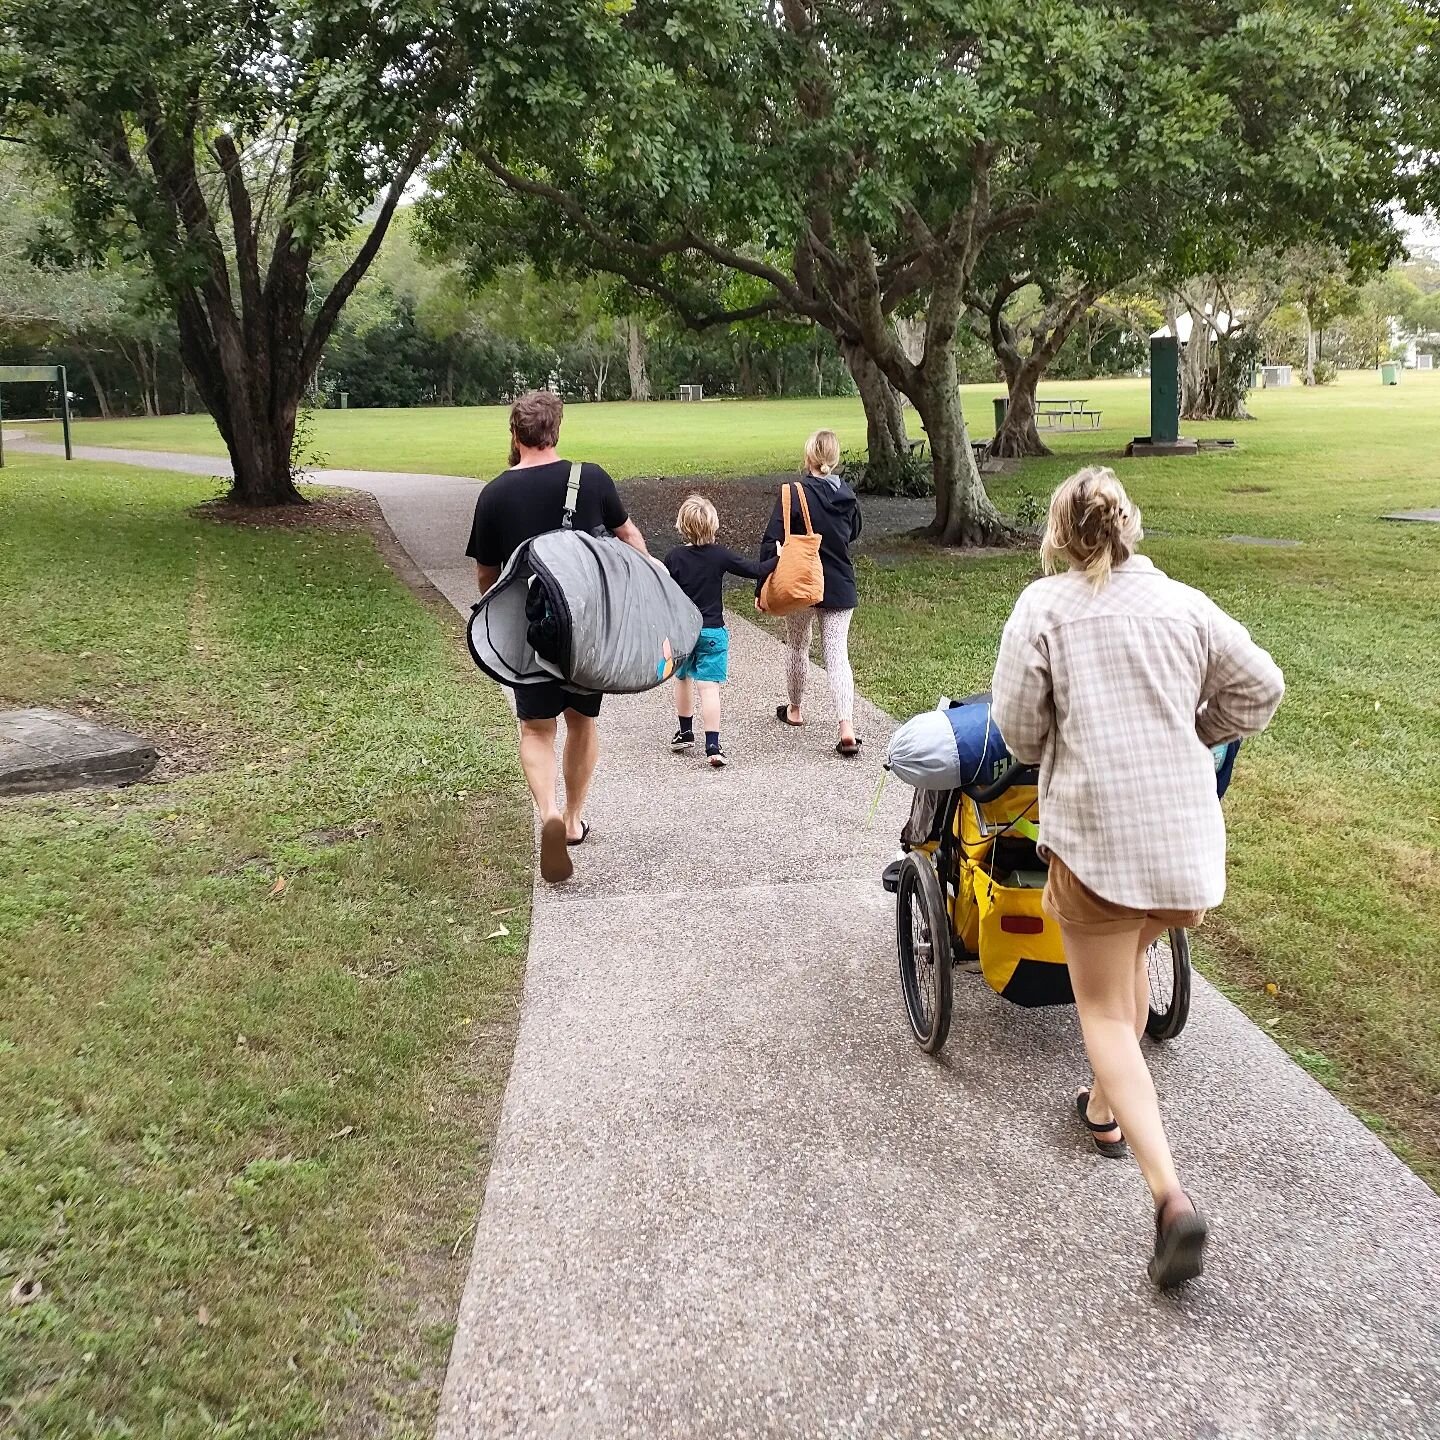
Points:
(521, 504)
(699, 570)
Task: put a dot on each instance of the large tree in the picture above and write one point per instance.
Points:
(859, 159)
(230, 143)
(1026, 322)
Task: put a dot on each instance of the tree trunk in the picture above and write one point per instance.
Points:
(1309, 352)
(157, 398)
(885, 436)
(101, 399)
(260, 454)
(1018, 436)
(964, 513)
(747, 373)
(637, 356)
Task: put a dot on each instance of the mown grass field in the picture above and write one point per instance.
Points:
(243, 1123)
(720, 437)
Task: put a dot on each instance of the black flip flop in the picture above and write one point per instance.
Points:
(584, 834)
(1179, 1248)
(1110, 1149)
(556, 867)
(782, 714)
(849, 748)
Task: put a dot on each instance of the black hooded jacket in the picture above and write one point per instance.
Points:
(835, 514)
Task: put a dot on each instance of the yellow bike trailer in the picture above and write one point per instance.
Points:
(968, 897)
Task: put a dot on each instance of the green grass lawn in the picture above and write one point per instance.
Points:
(1335, 813)
(243, 1126)
(665, 438)
(746, 437)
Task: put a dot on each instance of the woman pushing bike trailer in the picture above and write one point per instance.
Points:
(1116, 682)
(1067, 834)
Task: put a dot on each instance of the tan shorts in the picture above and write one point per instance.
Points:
(1078, 907)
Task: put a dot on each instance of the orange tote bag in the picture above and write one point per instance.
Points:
(798, 580)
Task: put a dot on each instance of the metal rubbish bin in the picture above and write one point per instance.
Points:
(1002, 404)
(1389, 373)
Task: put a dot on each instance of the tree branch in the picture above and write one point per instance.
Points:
(571, 208)
(344, 287)
(242, 219)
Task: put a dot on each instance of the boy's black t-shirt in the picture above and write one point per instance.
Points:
(518, 505)
(699, 570)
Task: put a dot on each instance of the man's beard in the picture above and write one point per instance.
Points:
(514, 454)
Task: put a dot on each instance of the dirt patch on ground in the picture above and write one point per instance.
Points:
(184, 749)
(350, 510)
(745, 503)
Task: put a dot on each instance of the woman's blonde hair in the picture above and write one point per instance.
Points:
(822, 452)
(698, 521)
(1093, 525)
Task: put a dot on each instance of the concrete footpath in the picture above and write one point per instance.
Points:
(730, 1197)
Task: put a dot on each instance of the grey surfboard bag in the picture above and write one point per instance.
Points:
(588, 611)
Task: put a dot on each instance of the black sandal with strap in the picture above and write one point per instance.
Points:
(782, 714)
(1110, 1149)
(1180, 1240)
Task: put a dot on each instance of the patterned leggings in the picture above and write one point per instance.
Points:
(834, 645)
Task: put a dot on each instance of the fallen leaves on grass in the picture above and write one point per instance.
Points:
(25, 1291)
(280, 886)
(498, 932)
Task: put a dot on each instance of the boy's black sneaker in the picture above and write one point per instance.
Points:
(717, 758)
(682, 740)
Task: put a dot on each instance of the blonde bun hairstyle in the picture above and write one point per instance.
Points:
(822, 453)
(1092, 527)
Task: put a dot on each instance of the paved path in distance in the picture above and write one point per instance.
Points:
(729, 1196)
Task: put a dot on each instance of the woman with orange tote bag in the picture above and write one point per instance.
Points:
(815, 521)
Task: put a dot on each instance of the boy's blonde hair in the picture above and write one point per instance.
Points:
(822, 452)
(1093, 525)
(698, 521)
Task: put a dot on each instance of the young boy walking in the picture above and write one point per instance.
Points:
(699, 567)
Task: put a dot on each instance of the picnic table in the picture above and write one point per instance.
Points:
(1054, 413)
(981, 449)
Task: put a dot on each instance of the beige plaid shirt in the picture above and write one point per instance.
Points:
(1117, 695)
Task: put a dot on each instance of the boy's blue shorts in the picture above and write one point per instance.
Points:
(710, 660)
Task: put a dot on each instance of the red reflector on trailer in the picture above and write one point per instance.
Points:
(1022, 924)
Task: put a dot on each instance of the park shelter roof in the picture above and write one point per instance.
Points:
(1219, 325)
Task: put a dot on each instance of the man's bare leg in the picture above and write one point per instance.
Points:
(582, 750)
(537, 760)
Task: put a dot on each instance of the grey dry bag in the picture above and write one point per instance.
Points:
(588, 611)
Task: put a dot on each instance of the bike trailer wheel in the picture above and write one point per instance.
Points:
(922, 944)
(1168, 963)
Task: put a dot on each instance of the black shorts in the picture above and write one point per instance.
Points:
(546, 702)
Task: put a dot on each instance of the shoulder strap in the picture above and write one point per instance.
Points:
(804, 510)
(572, 495)
(785, 509)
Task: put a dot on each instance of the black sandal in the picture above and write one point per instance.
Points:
(782, 714)
(849, 748)
(1110, 1149)
(1179, 1247)
(582, 837)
